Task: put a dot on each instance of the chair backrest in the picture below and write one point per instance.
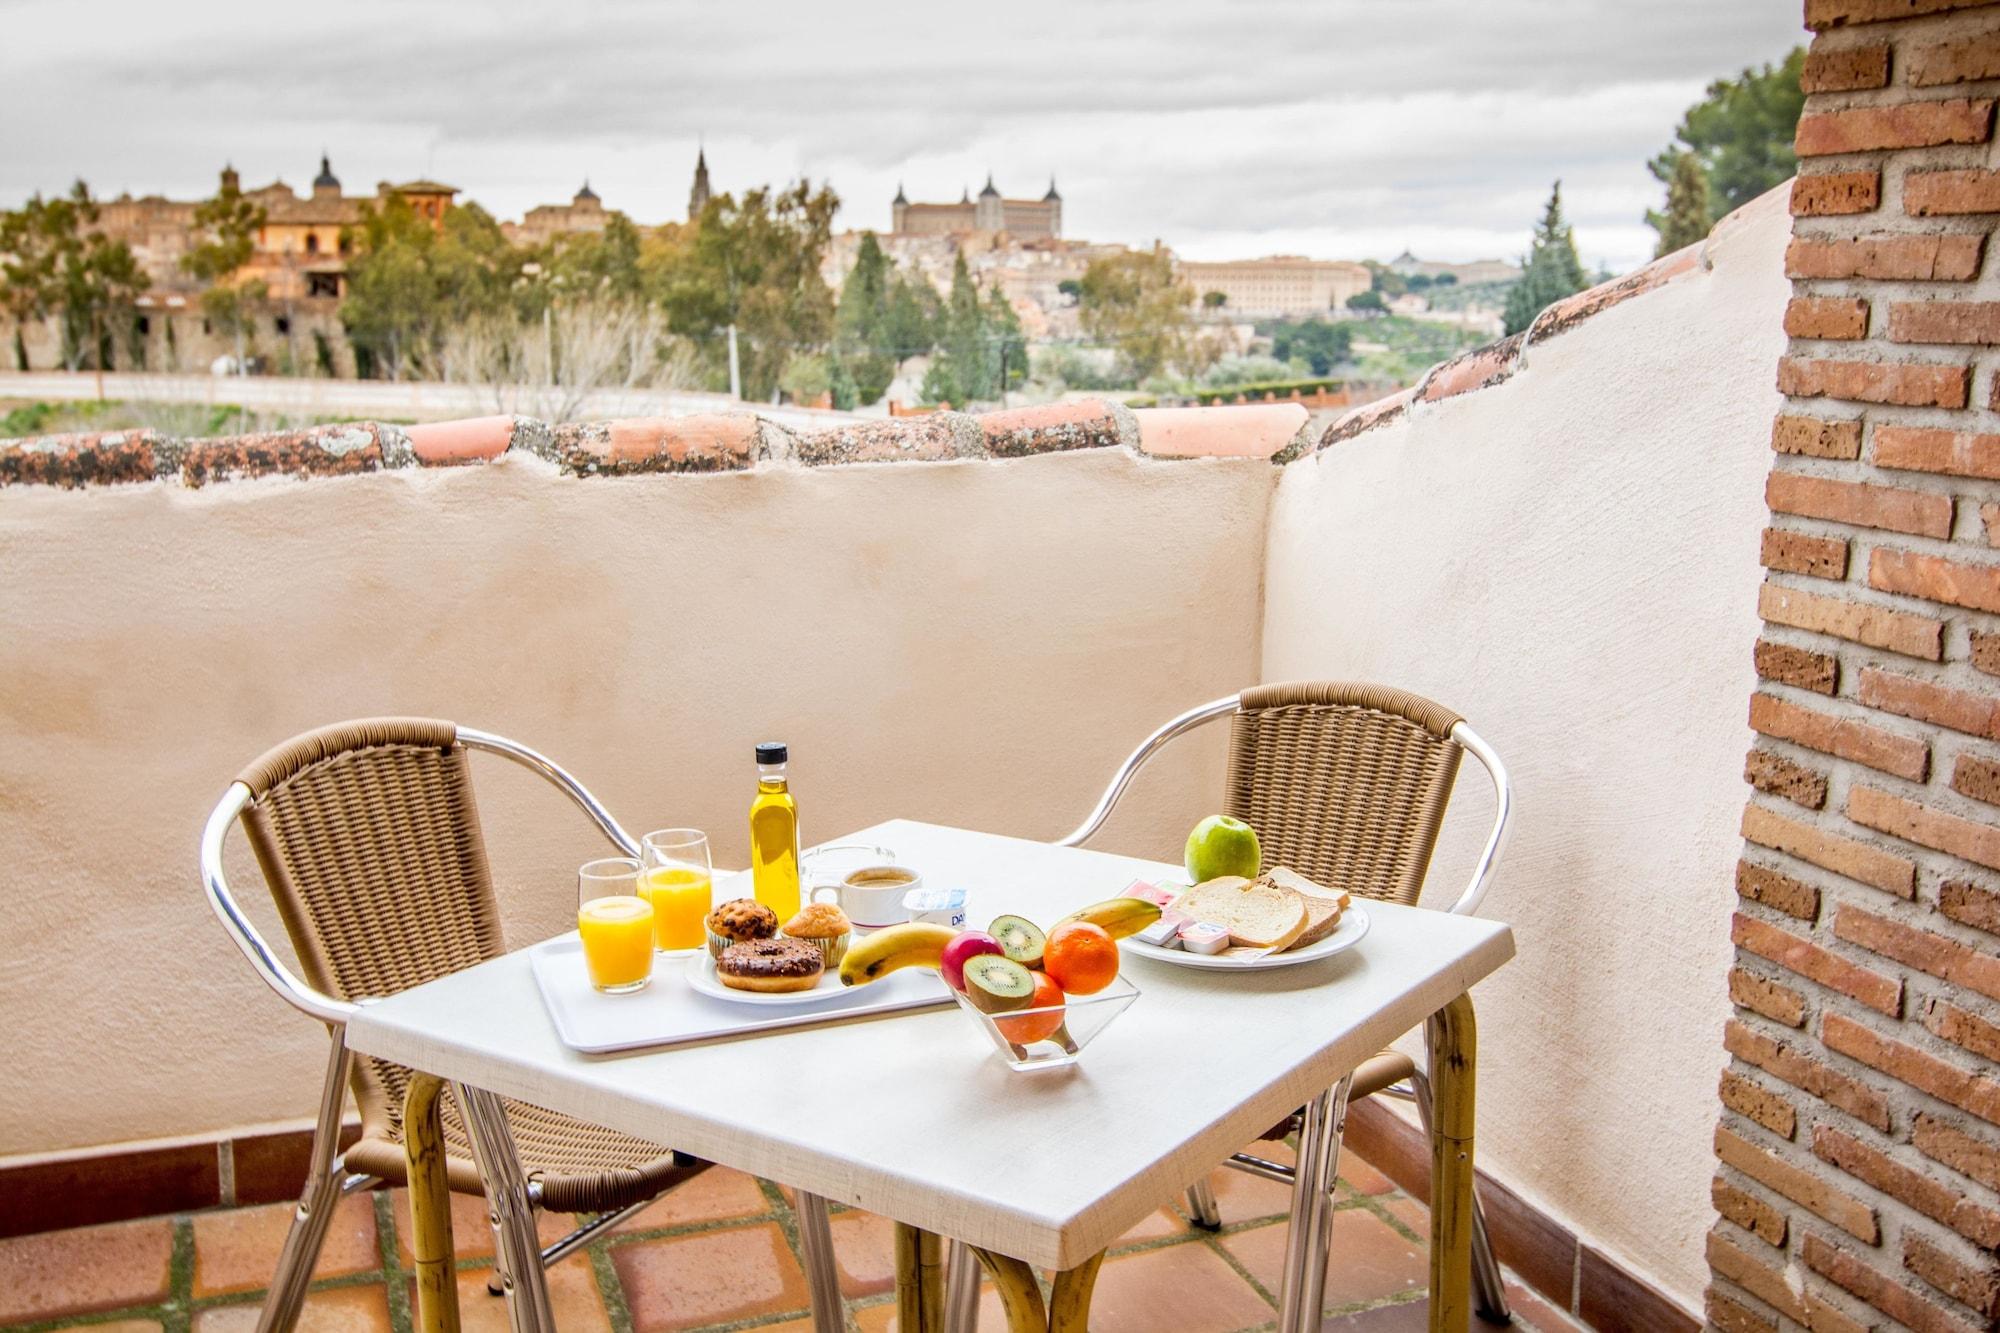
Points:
(369, 839)
(1345, 782)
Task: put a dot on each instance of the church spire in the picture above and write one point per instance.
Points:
(698, 196)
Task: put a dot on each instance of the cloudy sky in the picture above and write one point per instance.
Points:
(1335, 128)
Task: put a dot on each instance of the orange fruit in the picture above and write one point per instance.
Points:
(1081, 957)
(1027, 1029)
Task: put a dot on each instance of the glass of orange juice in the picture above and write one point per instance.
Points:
(615, 922)
(679, 882)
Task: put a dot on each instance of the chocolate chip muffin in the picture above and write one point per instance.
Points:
(737, 921)
(770, 965)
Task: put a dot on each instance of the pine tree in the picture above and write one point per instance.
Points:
(1550, 272)
(1687, 219)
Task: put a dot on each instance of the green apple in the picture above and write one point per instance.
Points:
(1222, 846)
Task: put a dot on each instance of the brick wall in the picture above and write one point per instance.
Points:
(1859, 1142)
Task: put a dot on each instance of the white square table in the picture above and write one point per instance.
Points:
(913, 1117)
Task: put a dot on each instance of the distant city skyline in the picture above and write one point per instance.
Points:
(1337, 130)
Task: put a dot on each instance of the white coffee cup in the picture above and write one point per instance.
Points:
(871, 895)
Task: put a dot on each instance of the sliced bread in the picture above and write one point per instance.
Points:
(1257, 913)
(1323, 906)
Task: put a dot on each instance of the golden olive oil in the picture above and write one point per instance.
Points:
(774, 835)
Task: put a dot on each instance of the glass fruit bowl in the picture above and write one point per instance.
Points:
(1051, 1037)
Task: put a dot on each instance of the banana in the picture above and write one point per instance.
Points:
(912, 944)
(1118, 916)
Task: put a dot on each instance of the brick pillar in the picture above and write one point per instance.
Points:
(1859, 1140)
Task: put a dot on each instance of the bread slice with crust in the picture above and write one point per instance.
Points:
(1324, 907)
(1257, 913)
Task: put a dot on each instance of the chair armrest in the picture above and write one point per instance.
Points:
(1187, 721)
(557, 777)
(290, 988)
(1503, 814)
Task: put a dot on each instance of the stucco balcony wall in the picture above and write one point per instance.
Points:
(976, 643)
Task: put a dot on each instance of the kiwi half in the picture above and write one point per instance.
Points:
(997, 984)
(1021, 939)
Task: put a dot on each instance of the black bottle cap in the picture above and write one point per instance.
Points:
(772, 752)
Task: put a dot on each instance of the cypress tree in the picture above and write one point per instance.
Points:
(958, 374)
(1687, 219)
(864, 336)
(1550, 272)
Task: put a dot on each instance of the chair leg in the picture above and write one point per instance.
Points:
(961, 1289)
(822, 1277)
(576, 1240)
(1201, 1206)
(1302, 1293)
(324, 1178)
(511, 1203)
(1489, 1289)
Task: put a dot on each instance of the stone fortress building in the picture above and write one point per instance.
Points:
(1279, 286)
(1022, 219)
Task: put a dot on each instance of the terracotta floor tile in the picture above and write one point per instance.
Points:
(714, 1194)
(882, 1318)
(237, 1250)
(573, 1297)
(342, 1310)
(1361, 1177)
(1407, 1317)
(1187, 1288)
(84, 1269)
(1243, 1198)
(471, 1233)
(1159, 1223)
(711, 1277)
(864, 1249)
(1412, 1213)
(1367, 1260)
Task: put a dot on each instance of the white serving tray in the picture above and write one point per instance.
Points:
(671, 1013)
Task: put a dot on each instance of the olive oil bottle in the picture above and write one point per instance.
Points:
(774, 835)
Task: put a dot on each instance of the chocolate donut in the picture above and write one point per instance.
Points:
(770, 965)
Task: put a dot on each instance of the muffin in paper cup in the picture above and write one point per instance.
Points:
(744, 919)
(824, 926)
(833, 947)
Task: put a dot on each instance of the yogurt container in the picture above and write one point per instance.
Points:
(942, 907)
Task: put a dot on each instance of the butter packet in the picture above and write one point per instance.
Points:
(1164, 933)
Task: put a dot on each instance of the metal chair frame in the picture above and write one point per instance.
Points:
(1325, 1117)
(513, 1200)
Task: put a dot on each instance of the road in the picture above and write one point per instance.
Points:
(391, 401)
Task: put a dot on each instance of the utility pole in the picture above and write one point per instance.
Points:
(735, 367)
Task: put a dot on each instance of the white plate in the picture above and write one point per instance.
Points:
(1353, 925)
(702, 979)
(671, 1011)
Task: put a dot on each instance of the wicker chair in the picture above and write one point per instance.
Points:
(369, 840)
(1346, 783)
